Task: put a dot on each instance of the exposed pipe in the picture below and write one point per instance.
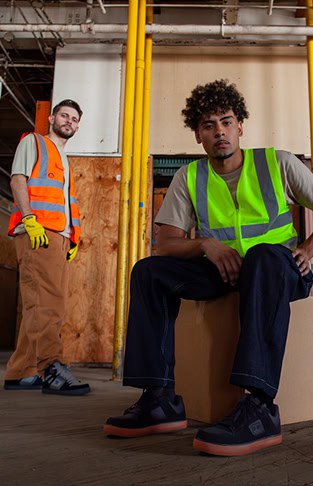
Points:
(135, 181)
(225, 30)
(103, 10)
(17, 103)
(195, 5)
(5, 171)
(7, 55)
(228, 30)
(142, 233)
(270, 7)
(6, 193)
(35, 37)
(28, 65)
(42, 14)
(123, 225)
(83, 28)
(89, 11)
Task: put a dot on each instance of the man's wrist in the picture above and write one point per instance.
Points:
(28, 216)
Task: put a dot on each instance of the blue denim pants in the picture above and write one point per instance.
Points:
(269, 281)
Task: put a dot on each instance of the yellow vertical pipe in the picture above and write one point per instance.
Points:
(123, 228)
(309, 4)
(135, 188)
(142, 248)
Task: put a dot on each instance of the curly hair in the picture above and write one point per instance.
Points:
(217, 97)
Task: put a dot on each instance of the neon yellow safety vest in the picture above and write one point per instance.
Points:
(262, 216)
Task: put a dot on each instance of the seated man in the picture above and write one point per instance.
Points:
(239, 200)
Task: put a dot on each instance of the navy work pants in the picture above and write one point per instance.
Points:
(269, 281)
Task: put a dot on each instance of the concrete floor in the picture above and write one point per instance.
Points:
(51, 440)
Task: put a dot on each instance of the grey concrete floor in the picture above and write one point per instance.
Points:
(53, 440)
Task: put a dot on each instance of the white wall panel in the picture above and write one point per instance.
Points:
(91, 75)
(272, 80)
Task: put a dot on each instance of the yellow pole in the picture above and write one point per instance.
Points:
(309, 4)
(135, 188)
(123, 228)
(142, 250)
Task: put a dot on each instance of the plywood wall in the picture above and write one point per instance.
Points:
(87, 333)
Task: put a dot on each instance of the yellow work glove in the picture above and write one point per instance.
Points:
(36, 232)
(71, 254)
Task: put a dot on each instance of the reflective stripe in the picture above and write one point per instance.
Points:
(251, 230)
(202, 180)
(292, 242)
(75, 222)
(266, 184)
(44, 158)
(73, 200)
(220, 233)
(45, 183)
(45, 206)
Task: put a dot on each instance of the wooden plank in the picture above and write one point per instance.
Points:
(87, 333)
(88, 329)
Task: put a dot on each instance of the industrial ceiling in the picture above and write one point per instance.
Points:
(31, 31)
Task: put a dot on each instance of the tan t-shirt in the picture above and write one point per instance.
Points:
(177, 209)
(24, 161)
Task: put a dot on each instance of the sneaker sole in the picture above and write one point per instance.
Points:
(140, 432)
(75, 393)
(236, 450)
(21, 387)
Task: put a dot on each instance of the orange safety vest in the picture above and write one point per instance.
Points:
(46, 193)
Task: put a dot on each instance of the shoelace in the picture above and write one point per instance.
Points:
(244, 409)
(146, 399)
(64, 372)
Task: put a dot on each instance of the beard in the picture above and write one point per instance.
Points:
(61, 131)
(223, 156)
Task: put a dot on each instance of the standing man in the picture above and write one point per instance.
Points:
(46, 226)
(239, 201)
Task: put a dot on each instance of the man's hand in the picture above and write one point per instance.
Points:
(36, 232)
(302, 259)
(71, 254)
(227, 260)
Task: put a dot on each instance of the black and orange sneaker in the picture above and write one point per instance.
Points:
(150, 415)
(250, 427)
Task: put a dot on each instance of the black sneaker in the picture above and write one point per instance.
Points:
(59, 380)
(250, 427)
(150, 415)
(29, 383)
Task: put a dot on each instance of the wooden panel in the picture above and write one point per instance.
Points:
(88, 330)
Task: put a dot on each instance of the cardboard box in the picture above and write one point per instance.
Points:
(206, 339)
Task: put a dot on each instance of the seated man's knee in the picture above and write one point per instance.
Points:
(260, 251)
(144, 267)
